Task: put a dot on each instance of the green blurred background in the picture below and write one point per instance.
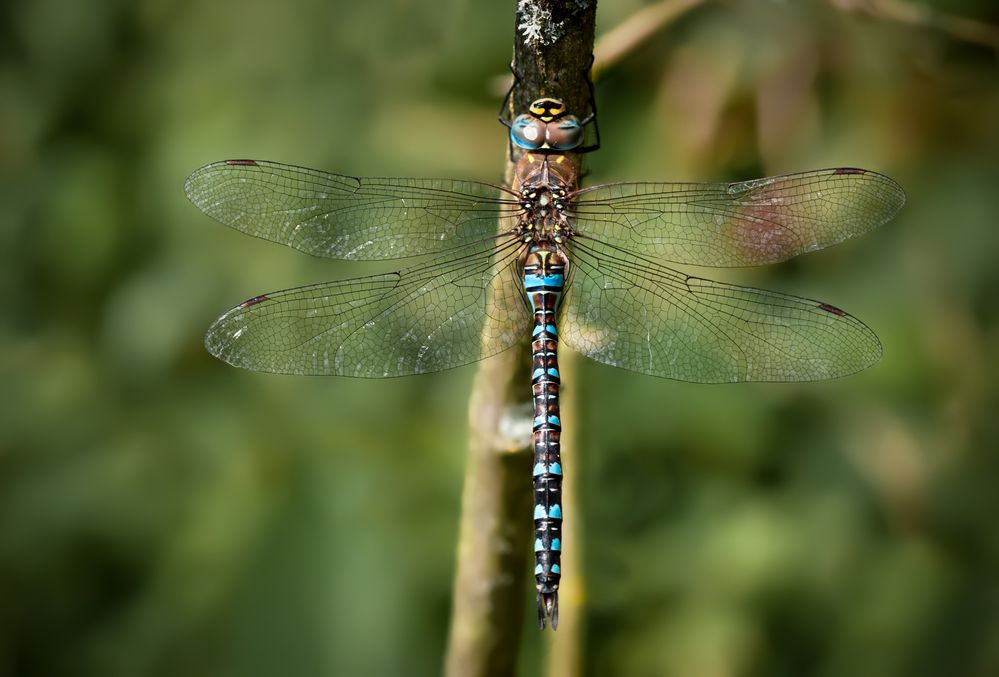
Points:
(164, 514)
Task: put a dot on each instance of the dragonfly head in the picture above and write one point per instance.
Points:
(546, 127)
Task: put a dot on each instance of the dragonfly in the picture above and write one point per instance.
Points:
(488, 266)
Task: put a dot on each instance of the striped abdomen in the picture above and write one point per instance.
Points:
(544, 279)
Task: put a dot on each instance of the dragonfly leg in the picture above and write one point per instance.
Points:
(592, 117)
(504, 115)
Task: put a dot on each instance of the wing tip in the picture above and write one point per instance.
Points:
(891, 195)
(866, 351)
(191, 182)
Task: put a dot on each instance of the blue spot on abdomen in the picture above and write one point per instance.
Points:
(534, 282)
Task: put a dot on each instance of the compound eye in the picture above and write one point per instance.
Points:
(527, 132)
(564, 134)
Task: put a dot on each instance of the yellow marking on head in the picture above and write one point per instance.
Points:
(547, 109)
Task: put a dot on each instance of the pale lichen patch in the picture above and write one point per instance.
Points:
(537, 25)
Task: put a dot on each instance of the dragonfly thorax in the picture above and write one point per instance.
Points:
(546, 184)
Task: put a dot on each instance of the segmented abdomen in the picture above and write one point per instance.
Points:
(544, 279)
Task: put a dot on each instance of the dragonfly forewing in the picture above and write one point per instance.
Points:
(345, 217)
(738, 224)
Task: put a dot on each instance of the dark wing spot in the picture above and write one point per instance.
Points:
(850, 170)
(245, 163)
(832, 309)
(254, 301)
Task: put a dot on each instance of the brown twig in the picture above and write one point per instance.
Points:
(636, 30)
(554, 41)
(624, 38)
(923, 16)
(489, 587)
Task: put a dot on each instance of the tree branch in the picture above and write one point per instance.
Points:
(924, 16)
(636, 30)
(552, 51)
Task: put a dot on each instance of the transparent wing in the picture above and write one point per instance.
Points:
(421, 319)
(344, 217)
(737, 224)
(638, 315)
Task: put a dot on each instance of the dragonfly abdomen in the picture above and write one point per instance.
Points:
(544, 280)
